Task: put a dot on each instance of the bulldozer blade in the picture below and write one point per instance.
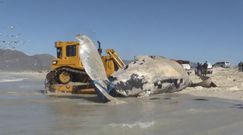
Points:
(94, 67)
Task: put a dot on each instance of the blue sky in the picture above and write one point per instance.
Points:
(196, 30)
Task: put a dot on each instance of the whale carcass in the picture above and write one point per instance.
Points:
(144, 76)
(148, 75)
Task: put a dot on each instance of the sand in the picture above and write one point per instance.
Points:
(228, 80)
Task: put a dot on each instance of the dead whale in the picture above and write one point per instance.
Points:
(145, 76)
(149, 75)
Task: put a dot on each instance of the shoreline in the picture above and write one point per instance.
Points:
(29, 74)
(229, 82)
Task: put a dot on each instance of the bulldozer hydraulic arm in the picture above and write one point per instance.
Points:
(115, 57)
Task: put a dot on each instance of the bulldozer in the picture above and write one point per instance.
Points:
(68, 76)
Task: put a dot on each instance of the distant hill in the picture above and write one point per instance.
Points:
(12, 60)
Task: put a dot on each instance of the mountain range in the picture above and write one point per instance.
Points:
(13, 60)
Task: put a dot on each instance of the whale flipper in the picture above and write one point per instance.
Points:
(94, 67)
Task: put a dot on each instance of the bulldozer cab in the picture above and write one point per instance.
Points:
(67, 55)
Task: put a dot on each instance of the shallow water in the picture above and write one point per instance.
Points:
(24, 110)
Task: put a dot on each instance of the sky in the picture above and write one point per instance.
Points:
(196, 30)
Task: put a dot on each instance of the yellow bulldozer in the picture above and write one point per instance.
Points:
(67, 75)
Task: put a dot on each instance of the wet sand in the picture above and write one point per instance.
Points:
(24, 110)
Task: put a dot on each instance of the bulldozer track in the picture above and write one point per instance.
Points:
(53, 75)
(72, 70)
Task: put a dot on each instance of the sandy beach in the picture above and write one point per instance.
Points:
(229, 83)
